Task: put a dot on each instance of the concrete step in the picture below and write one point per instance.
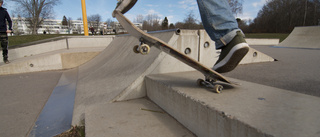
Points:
(247, 109)
(135, 118)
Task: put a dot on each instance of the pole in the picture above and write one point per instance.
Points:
(84, 18)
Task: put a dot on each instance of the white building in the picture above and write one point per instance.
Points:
(50, 26)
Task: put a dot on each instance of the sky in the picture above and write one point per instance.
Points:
(174, 10)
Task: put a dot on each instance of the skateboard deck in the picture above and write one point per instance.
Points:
(147, 40)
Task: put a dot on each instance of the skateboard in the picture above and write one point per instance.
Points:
(146, 40)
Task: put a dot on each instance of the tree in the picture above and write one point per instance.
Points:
(64, 21)
(70, 27)
(165, 24)
(236, 6)
(94, 20)
(171, 26)
(139, 19)
(35, 11)
(151, 22)
(190, 22)
(281, 16)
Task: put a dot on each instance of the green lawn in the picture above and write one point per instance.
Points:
(18, 40)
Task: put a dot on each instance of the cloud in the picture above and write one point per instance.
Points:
(188, 4)
(259, 3)
(151, 5)
(152, 12)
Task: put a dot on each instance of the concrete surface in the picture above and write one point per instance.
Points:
(118, 74)
(303, 37)
(22, 98)
(114, 73)
(246, 110)
(56, 116)
(44, 46)
(135, 118)
(54, 60)
(296, 70)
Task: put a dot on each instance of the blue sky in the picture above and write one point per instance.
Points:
(174, 10)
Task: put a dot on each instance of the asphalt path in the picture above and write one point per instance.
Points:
(296, 70)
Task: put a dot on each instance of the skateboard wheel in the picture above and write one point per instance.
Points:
(136, 49)
(218, 88)
(200, 82)
(144, 49)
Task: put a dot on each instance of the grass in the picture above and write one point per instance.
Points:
(18, 40)
(75, 131)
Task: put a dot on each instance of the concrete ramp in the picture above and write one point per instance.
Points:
(117, 73)
(114, 71)
(303, 37)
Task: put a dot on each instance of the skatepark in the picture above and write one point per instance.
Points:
(100, 83)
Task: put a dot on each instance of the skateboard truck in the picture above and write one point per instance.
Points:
(142, 48)
(210, 83)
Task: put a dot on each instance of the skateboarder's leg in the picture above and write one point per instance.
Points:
(222, 27)
(125, 5)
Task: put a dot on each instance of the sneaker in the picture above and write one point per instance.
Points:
(232, 54)
(125, 5)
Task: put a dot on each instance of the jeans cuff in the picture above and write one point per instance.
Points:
(227, 38)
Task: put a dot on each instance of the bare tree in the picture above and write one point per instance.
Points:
(189, 22)
(138, 19)
(94, 20)
(70, 27)
(236, 6)
(151, 22)
(35, 11)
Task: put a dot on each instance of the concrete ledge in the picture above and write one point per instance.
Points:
(246, 110)
(269, 42)
(59, 43)
(57, 60)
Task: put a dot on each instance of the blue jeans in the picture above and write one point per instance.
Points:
(218, 21)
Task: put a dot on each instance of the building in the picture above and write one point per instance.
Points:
(50, 26)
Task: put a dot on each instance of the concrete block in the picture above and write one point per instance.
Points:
(36, 49)
(261, 42)
(75, 59)
(248, 109)
(136, 118)
(89, 41)
(255, 56)
(50, 62)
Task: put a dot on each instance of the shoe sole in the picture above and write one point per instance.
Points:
(233, 58)
(130, 5)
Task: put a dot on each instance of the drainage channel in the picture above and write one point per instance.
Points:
(56, 116)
